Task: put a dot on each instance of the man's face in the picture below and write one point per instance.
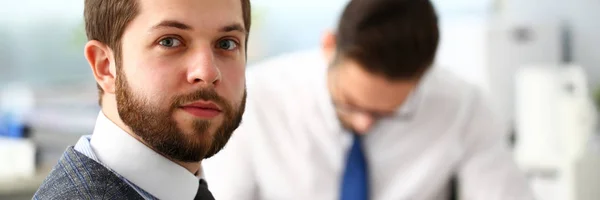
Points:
(180, 84)
(361, 97)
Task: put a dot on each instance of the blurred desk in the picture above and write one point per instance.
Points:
(63, 113)
(51, 146)
(23, 188)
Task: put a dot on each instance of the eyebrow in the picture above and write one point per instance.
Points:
(171, 24)
(179, 25)
(234, 27)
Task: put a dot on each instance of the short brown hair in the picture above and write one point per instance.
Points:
(106, 20)
(397, 39)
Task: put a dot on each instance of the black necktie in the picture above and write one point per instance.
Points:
(203, 192)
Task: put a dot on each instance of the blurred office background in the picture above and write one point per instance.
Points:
(537, 60)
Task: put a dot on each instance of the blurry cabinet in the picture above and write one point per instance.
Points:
(512, 44)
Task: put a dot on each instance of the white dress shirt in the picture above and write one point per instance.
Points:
(291, 146)
(140, 165)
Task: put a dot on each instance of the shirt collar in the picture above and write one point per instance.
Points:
(408, 108)
(323, 96)
(139, 164)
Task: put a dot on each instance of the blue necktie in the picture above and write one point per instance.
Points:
(355, 182)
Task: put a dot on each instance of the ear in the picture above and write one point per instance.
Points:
(100, 58)
(328, 46)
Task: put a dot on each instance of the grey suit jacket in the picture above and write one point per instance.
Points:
(78, 177)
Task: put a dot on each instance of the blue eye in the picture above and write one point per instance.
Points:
(227, 44)
(170, 42)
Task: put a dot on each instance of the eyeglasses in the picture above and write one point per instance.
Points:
(350, 110)
(347, 108)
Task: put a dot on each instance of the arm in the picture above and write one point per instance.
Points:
(230, 173)
(488, 170)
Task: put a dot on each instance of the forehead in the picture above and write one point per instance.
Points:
(200, 14)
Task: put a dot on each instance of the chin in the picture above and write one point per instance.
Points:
(190, 127)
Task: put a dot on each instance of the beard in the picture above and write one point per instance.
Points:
(158, 129)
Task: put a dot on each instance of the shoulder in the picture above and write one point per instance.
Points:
(447, 88)
(285, 78)
(77, 177)
(289, 69)
(444, 97)
(287, 64)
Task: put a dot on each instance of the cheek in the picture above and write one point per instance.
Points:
(150, 75)
(234, 81)
(153, 80)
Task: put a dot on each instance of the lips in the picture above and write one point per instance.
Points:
(202, 109)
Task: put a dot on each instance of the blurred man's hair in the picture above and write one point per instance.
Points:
(106, 20)
(397, 39)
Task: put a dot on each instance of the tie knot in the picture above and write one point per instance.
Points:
(203, 192)
(357, 138)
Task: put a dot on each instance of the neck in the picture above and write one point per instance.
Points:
(193, 167)
(112, 114)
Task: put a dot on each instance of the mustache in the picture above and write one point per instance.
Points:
(204, 94)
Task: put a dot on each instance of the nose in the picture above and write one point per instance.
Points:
(204, 68)
(362, 123)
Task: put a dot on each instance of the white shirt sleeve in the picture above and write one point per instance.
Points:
(230, 173)
(488, 170)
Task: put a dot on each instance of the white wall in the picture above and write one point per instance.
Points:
(287, 25)
(462, 49)
(584, 18)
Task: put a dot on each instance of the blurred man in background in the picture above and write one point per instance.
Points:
(172, 87)
(366, 118)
